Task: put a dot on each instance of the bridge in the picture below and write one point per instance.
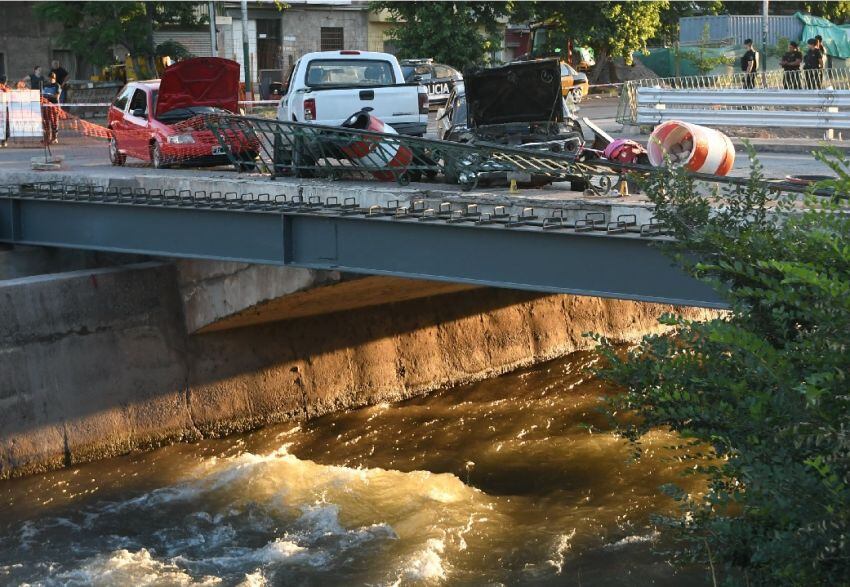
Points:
(594, 256)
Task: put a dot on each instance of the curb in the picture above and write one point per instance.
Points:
(798, 149)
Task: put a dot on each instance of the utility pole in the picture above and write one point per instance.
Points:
(213, 44)
(245, 53)
(764, 9)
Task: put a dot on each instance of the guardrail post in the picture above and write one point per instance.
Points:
(829, 135)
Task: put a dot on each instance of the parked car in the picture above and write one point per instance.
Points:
(439, 79)
(148, 119)
(517, 105)
(327, 87)
(573, 83)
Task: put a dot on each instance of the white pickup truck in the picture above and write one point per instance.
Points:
(329, 86)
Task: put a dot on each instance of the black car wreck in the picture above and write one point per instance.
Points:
(516, 105)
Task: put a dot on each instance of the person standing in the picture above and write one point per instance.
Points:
(790, 63)
(36, 80)
(50, 93)
(813, 65)
(822, 49)
(749, 65)
(61, 78)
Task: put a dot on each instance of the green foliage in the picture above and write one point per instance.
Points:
(702, 57)
(456, 33)
(615, 29)
(174, 50)
(91, 29)
(765, 386)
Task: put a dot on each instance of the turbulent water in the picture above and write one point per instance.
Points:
(500, 482)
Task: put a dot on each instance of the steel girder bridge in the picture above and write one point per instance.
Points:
(594, 256)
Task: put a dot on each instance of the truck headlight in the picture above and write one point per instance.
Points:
(183, 139)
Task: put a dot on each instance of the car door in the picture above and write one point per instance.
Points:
(136, 124)
(115, 117)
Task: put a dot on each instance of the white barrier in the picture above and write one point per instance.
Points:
(24, 112)
(4, 108)
(734, 107)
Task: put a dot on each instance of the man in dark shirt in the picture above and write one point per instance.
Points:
(790, 62)
(61, 77)
(749, 65)
(61, 72)
(812, 66)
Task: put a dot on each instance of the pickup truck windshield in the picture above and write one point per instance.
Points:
(348, 72)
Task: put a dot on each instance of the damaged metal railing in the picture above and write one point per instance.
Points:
(307, 150)
(312, 150)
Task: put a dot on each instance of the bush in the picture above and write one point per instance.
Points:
(764, 386)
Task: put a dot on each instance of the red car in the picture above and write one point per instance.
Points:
(161, 121)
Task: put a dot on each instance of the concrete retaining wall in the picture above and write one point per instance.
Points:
(97, 363)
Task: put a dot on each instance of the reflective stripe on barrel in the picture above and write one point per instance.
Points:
(374, 152)
(711, 152)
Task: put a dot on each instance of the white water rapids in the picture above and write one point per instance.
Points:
(497, 483)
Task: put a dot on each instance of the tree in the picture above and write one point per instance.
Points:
(612, 29)
(457, 33)
(92, 29)
(703, 58)
(760, 394)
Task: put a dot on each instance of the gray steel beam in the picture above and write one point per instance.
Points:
(154, 230)
(623, 266)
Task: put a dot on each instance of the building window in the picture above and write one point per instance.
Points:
(332, 39)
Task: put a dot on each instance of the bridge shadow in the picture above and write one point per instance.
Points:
(305, 340)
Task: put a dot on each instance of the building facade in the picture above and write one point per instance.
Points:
(26, 41)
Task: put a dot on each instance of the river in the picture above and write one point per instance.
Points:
(495, 483)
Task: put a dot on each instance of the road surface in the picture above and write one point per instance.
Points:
(91, 154)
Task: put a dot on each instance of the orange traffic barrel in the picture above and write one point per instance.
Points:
(375, 152)
(698, 148)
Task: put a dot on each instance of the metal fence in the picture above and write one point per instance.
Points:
(627, 110)
(754, 108)
(311, 150)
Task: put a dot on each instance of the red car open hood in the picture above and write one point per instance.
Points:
(202, 81)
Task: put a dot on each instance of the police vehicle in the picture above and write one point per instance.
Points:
(438, 78)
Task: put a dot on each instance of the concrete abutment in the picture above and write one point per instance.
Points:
(99, 362)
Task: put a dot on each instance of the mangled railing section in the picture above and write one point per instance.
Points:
(311, 150)
(627, 110)
(307, 150)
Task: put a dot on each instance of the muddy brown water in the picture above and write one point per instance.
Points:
(496, 483)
